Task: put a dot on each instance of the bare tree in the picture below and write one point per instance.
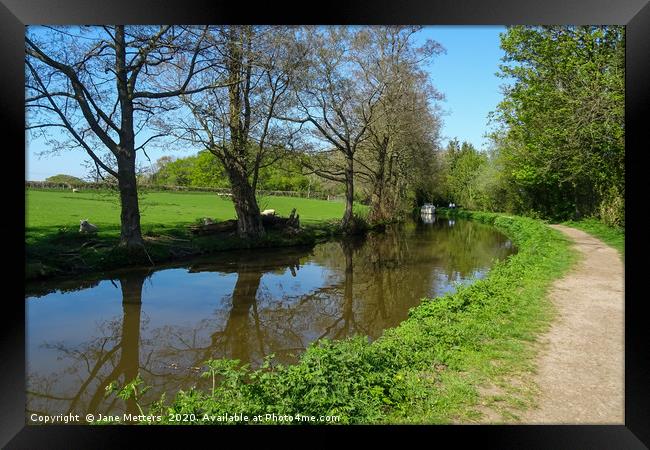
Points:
(406, 125)
(102, 85)
(338, 103)
(239, 122)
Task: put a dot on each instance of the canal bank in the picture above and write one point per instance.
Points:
(429, 368)
(67, 253)
(164, 322)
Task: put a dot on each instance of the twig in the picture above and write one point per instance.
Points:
(147, 253)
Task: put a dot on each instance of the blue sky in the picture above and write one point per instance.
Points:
(466, 74)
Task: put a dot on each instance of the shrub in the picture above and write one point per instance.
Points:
(612, 209)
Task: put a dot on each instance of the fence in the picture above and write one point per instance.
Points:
(150, 187)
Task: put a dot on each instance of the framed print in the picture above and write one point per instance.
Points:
(404, 218)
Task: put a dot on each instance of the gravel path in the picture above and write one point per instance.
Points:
(581, 367)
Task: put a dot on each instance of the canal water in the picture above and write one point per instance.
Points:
(166, 321)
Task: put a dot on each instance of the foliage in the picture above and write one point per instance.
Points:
(205, 170)
(558, 151)
(611, 209)
(200, 170)
(464, 167)
(426, 370)
(286, 175)
(561, 141)
(130, 391)
(62, 178)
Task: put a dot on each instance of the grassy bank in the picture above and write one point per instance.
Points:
(453, 357)
(54, 247)
(69, 253)
(614, 237)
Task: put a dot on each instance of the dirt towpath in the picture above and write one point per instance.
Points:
(581, 366)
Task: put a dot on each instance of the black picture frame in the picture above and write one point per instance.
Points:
(635, 14)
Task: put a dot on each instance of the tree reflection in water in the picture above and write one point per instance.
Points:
(112, 355)
(282, 300)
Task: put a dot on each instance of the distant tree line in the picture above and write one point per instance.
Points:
(65, 179)
(204, 170)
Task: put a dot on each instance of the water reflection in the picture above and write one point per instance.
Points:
(243, 305)
(428, 218)
(244, 334)
(112, 354)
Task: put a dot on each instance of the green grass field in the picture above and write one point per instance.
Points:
(55, 246)
(56, 208)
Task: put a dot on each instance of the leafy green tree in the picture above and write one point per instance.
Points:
(465, 168)
(175, 172)
(207, 171)
(204, 170)
(62, 178)
(562, 137)
(285, 175)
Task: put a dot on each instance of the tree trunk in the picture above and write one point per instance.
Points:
(130, 234)
(249, 220)
(348, 219)
(378, 211)
(130, 351)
